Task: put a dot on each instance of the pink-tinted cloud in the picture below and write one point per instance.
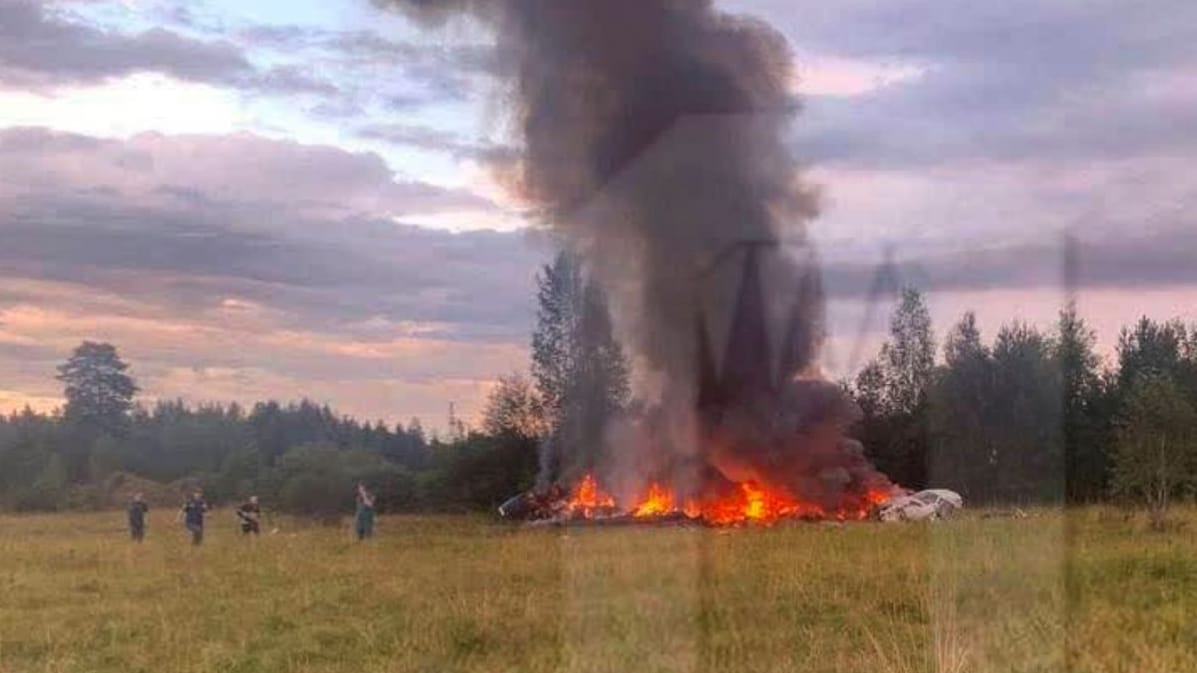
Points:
(238, 172)
(237, 353)
(238, 267)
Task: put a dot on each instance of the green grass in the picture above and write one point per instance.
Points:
(1090, 591)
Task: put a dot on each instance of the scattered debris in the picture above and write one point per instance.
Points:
(1012, 513)
(534, 506)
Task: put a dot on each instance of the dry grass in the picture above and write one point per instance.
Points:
(1086, 592)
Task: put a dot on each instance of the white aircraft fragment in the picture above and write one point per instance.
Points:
(935, 503)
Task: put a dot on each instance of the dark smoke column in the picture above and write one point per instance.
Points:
(653, 136)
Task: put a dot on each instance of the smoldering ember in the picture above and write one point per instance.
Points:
(662, 165)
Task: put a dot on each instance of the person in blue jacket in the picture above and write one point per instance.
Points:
(192, 514)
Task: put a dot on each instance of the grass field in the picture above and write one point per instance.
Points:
(1088, 591)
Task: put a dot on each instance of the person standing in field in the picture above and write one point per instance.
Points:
(137, 510)
(192, 514)
(363, 518)
(250, 516)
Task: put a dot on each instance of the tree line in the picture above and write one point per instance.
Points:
(304, 458)
(78, 457)
(1033, 416)
(1030, 416)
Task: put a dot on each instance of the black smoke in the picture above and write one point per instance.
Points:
(653, 140)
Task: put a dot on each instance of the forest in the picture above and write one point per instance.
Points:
(1028, 416)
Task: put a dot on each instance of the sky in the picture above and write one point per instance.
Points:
(291, 199)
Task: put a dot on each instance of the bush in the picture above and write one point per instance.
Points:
(1155, 460)
(48, 491)
(120, 487)
(39, 497)
(484, 471)
(318, 480)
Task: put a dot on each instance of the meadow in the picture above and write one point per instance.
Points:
(1086, 590)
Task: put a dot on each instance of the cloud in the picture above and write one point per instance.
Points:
(237, 266)
(241, 172)
(839, 77)
(436, 140)
(437, 72)
(1076, 37)
(40, 48)
(399, 75)
(290, 79)
(312, 230)
(1007, 81)
(1018, 121)
(1138, 261)
(964, 116)
(335, 75)
(202, 357)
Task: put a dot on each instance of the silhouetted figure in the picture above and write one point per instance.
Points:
(363, 518)
(193, 516)
(250, 516)
(137, 510)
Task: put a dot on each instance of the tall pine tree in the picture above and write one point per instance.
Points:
(960, 403)
(99, 397)
(1085, 411)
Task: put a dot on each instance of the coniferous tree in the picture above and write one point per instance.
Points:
(1085, 413)
(558, 287)
(961, 402)
(1154, 348)
(99, 396)
(98, 392)
(1024, 422)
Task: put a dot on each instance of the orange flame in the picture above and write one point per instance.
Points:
(658, 502)
(588, 500)
(753, 503)
(748, 503)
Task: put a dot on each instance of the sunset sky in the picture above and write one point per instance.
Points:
(290, 199)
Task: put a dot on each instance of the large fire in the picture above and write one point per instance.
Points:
(767, 436)
(747, 503)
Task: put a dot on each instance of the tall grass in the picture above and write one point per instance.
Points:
(467, 594)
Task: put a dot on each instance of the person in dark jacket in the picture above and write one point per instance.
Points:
(137, 510)
(249, 514)
(192, 514)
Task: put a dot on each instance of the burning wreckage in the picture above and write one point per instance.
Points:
(661, 159)
(772, 446)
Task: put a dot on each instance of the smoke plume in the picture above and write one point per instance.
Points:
(654, 142)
